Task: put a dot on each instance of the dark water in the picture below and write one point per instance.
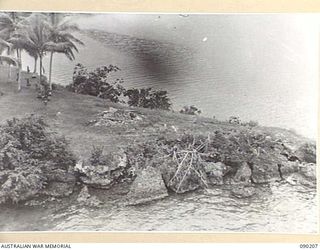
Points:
(257, 67)
(278, 208)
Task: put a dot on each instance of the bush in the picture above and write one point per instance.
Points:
(190, 110)
(148, 98)
(28, 152)
(96, 83)
(250, 123)
(234, 120)
(97, 156)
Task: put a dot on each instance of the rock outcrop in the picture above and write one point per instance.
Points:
(243, 174)
(60, 183)
(102, 176)
(183, 179)
(85, 198)
(288, 167)
(215, 172)
(265, 168)
(148, 186)
(307, 153)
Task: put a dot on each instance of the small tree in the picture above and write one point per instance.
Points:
(148, 98)
(190, 110)
(96, 83)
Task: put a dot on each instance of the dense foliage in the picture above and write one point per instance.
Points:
(28, 151)
(190, 110)
(96, 82)
(148, 98)
(99, 83)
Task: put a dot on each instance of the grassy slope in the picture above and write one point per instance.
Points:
(76, 110)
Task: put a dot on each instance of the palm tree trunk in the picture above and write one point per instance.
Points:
(35, 65)
(20, 59)
(50, 70)
(9, 72)
(40, 82)
(19, 70)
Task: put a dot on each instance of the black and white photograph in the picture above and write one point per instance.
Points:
(163, 122)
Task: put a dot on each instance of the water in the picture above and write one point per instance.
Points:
(257, 67)
(278, 208)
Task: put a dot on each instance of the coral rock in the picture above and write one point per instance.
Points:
(147, 186)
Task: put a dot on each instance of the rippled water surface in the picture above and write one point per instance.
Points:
(276, 208)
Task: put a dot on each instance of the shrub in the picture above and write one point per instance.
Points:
(190, 110)
(250, 123)
(234, 120)
(96, 82)
(148, 98)
(97, 156)
(28, 152)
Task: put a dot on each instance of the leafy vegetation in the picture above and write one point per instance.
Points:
(28, 153)
(234, 120)
(190, 110)
(148, 98)
(97, 157)
(96, 82)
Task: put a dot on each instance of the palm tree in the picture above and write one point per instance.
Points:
(35, 38)
(10, 24)
(62, 40)
(4, 45)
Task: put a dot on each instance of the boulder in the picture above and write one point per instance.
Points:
(85, 198)
(308, 171)
(243, 174)
(61, 175)
(289, 167)
(60, 182)
(102, 176)
(183, 180)
(83, 195)
(306, 176)
(241, 191)
(297, 179)
(148, 186)
(307, 153)
(215, 172)
(266, 168)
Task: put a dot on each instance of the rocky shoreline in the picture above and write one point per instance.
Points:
(143, 178)
(136, 155)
